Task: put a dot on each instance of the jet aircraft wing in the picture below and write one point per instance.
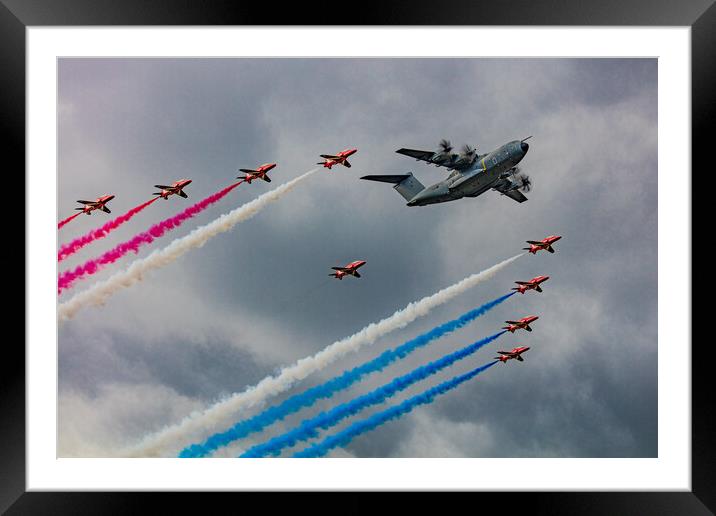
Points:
(87, 202)
(163, 187)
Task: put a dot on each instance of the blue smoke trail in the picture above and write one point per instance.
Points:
(329, 418)
(327, 389)
(346, 435)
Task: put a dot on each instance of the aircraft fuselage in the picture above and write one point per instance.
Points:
(486, 172)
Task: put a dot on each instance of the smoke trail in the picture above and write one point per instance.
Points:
(100, 292)
(365, 425)
(67, 278)
(78, 243)
(327, 419)
(224, 411)
(329, 388)
(63, 222)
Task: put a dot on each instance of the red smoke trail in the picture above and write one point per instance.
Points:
(67, 278)
(78, 243)
(63, 222)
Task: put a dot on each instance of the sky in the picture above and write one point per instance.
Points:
(257, 298)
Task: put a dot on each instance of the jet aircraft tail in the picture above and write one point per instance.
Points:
(405, 184)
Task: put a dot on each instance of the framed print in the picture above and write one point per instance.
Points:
(238, 286)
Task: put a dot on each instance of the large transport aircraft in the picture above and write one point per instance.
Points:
(472, 174)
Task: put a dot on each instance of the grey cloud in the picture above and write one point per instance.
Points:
(259, 297)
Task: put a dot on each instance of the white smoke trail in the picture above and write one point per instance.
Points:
(171, 439)
(98, 293)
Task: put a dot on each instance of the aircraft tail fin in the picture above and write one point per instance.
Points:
(405, 184)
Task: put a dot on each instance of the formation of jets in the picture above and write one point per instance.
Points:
(176, 188)
(99, 204)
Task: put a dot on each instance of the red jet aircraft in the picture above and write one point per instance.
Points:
(339, 159)
(99, 204)
(545, 244)
(514, 354)
(259, 173)
(532, 284)
(350, 269)
(523, 323)
(175, 188)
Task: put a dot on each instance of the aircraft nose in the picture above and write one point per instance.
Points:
(525, 147)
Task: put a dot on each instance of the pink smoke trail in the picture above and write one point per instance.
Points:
(63, 222)
(78, 243)
(67, 278)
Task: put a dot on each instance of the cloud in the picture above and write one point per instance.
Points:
(258, 297)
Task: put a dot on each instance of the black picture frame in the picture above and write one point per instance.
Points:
(17, 15)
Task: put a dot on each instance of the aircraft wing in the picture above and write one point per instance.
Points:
(248, 170)
(163, 187)
(87, 202)
(518, 357)
(516, 195)
(534, 242)
(342, 269)
(328, 156)
(523, 282)
(512, 322)
(418, 154)
(506, 353)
